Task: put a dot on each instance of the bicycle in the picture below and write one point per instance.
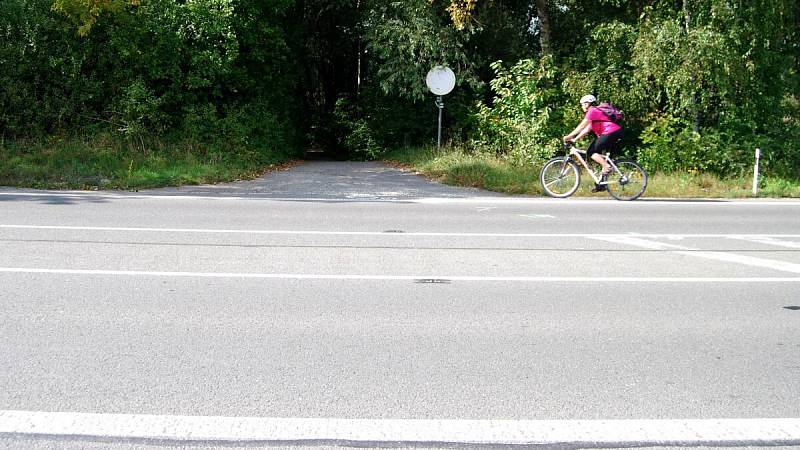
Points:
(561, 176)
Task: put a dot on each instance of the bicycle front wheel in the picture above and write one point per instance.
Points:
(560, 177)
(629, 183)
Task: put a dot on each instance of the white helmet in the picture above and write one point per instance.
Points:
(588, 99)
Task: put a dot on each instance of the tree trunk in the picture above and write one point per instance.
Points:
(359, 44)
(544, 27)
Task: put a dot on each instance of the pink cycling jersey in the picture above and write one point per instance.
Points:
(601, 124)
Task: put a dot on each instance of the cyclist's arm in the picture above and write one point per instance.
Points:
(586, 130)
(577, 131)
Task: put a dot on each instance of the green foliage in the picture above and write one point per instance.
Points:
(609, 70)
(148, 68)
(523, 123)
(720, 69)
(108, 161)
(718, 63)
(138, 111)
(249, 127)
(456, 166)
(453, 165)
(407, 39)
(84, 13)
(42, 84)
(671, 145)
(356, 135)
(701, 82)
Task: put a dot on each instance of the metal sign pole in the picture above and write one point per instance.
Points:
(440, 81)
(440, 104)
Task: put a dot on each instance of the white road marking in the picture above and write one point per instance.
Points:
(716, 256)
(623, 433)
(398, 199)
(537, 216)
(383, 233)
(312, 276)
(768, 241)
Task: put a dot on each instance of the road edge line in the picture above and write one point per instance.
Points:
(215, 429)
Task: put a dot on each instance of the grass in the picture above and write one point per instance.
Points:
(455, 167)
(106, 162)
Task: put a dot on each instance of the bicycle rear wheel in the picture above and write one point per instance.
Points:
(560, 177)
(629, 183)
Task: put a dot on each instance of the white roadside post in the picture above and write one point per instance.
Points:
(755, 172)
(441, 81)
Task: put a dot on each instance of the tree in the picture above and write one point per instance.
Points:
(84, 13)
(463, 12)
(405, 40)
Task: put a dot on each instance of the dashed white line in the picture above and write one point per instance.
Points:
(622, 433)
(537, 216)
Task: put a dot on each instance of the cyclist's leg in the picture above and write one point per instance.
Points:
(595, 151)
(616, 142)
(606, 143)
(593, 154)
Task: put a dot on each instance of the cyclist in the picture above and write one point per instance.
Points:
(608, 135)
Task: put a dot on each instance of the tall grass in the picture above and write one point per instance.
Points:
(456, 167)
(107, 162)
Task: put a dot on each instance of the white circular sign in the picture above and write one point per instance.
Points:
(441, 80)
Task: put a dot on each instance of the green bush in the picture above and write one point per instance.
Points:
(147, 69)
(138, 111)
(670, 145)
(524, 123)
(355, 134)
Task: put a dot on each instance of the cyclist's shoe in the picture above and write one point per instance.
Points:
(598, 188)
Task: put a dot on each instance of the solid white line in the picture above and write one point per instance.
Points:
(712, 255)
(310, 276)
(383, 233)
(784, 431)
(422, 200)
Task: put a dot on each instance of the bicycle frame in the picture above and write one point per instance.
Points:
(576, 152)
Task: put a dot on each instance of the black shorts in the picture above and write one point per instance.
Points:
(606, 143)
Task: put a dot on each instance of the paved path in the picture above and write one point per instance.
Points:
(335, 180)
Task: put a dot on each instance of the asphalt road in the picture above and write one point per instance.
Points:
(356, 291)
